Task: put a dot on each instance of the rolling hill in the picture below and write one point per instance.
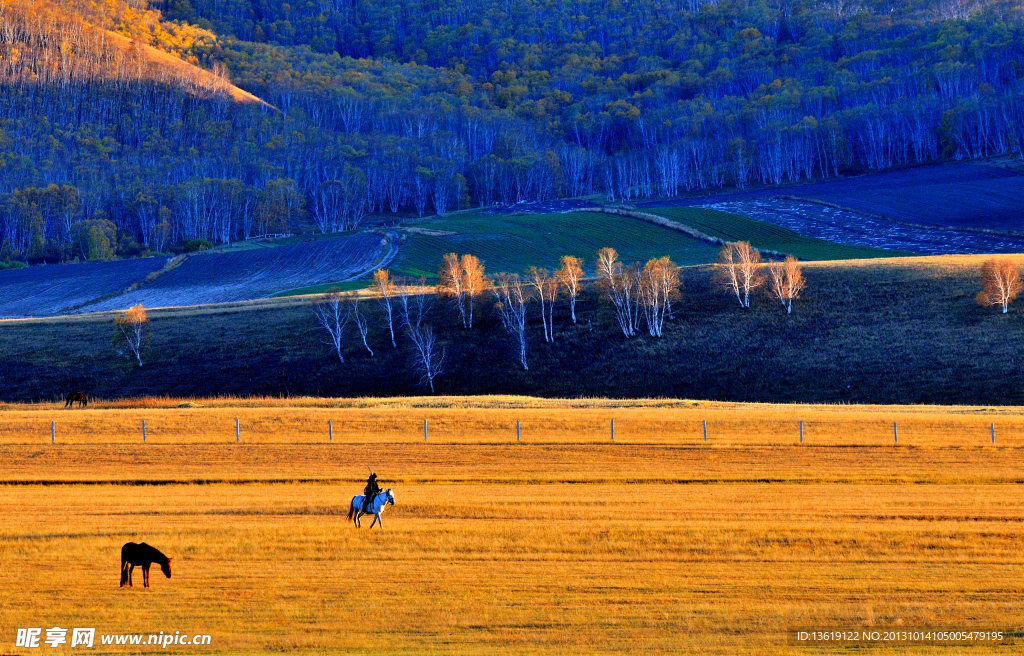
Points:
(257, 271)
(305, 265)
(61, 288)
(252, 273)
(940, 209)
(867, 331)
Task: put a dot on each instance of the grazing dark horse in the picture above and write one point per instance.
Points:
(142, 555)
(77, 397)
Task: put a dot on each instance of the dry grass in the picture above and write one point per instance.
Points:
(474, 569)
(404, 464)
(547, 546)
(492, 420)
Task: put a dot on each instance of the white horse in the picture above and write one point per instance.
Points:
(377, 506)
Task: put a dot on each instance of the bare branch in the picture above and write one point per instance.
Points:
(428, 356)
(355, 309)
(511, 297)
(332, 317)
(383, 284)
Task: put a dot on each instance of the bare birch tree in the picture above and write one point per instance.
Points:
(511, 296)
(383, 284)
(570, 276)
(428, 355)
(355, 309)
(131, 332)
(787, 281)
(333, 316)
(726, 273)
(658, 286)
(450, 284)
(738, 270)
(620, 283)
(414, 301)
(547, 289)
(1000, 284)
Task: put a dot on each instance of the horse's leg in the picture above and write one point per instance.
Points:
(145, 575)
(124, 573)
(131, 570)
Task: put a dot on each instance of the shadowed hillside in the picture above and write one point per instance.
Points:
(884, 331)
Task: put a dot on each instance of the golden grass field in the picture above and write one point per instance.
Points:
(562, 543)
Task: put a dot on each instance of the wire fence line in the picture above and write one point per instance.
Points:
(485, 428)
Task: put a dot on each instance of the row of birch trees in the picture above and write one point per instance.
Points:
(405, 304)
(642, 296)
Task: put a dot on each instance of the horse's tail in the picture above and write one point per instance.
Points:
(351, 509)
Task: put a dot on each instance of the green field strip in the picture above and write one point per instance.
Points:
(346, 286)
(513, 243)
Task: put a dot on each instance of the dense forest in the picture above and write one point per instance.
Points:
(426, 106)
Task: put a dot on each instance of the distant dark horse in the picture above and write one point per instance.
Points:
(142, 555)
(77, 397)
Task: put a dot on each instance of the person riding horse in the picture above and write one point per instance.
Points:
(370, 491)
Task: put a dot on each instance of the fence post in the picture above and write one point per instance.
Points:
(801, 431)
(330, 431)
(895, 434)
(518, 434)
(993, 427)
(237, 438)
(424, 430)
(53, 432)
(613, 430)
(143, 431)
(705, 430)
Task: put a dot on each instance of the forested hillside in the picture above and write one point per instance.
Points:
(417, 107)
